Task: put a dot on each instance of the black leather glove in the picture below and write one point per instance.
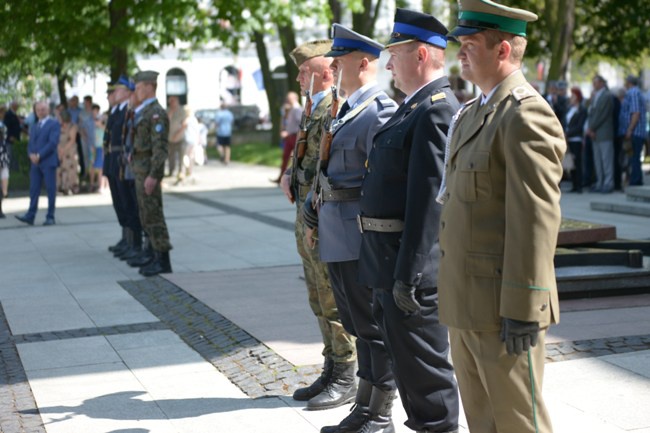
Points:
(309, 214)
(518, 335)
(404, 296)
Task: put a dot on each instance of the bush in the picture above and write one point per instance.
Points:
(20, 164)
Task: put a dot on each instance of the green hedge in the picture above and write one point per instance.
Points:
(19, 174)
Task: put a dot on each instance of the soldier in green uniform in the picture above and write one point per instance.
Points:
(336, 385)
(148, 164)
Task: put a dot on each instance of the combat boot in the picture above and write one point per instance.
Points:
(359, 413)
(119, 243)
(129, 245)
(380, 409)
(341, 388)
(308, 392)
(119, 252)
(136, 246)
(159, 265)
(144, 258)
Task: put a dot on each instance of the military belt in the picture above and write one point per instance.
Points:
(346, 194)
(379, 225)
(114, 148)
(139, 155)
(303, 189)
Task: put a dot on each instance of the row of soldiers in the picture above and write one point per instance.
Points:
(135, 149)
(426, 214)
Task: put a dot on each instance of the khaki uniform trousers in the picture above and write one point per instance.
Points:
(339, 345)
(501, 393)
(151, 215)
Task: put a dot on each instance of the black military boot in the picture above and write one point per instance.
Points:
(120, 243)
(380, 411)
(136, 246)
(144, 258)
(341, 388)
(159, 265)
(128, 236)
(308, 392)
(129, 246)
(359, 413)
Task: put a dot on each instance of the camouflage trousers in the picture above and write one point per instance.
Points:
(339, 345)
(151, 215)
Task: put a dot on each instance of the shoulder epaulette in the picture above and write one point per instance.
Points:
(438, 96)
(522, 92)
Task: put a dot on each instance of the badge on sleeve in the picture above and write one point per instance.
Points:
(158, 127)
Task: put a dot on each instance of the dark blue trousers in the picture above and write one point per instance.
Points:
(38, 175)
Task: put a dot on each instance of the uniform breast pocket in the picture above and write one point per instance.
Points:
(474, 176)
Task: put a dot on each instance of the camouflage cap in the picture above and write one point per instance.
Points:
(146, 76)
(309, 50)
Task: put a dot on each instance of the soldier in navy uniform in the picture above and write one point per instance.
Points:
(118, 97)
(399, 221)
(367, 108)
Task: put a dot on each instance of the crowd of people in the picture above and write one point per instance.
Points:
(607, 134)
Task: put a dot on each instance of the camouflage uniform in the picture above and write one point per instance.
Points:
(339, 345)
(149, 155)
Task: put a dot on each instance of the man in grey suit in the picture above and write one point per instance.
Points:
(367, 108)
(600, 124)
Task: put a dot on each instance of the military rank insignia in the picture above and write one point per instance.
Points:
(438, 97)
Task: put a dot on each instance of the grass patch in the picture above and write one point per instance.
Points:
(252, 153)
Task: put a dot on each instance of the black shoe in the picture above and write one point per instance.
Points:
(340, 390)
(311, 391)
(359, 412)
(25, 219)
(380, 409)
(49, 222)
(159, 265)
(143, 259)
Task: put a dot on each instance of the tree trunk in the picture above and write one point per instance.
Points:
(274, 102)
(560, 14)
(364, 22)
(335, 7)
(61, 78)
(288, 41)
(119, 55)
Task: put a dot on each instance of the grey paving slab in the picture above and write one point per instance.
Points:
(637, 362)
(55, 385)
(601, 390)
(66, 353)
(142, 340)
(615, 322)
(54, 312)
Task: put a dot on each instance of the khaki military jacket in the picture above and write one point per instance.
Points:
(150, 141)
(500, 221)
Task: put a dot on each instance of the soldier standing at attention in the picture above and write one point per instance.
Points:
(399, 223)
(148, 165)
(367, 108)
(499, 226)
(336, 384)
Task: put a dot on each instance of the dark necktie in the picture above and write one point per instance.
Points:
(344, 109)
